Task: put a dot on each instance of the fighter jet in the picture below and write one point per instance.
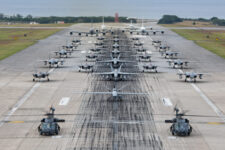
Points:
(141, 50)
(115, 93)
(135, 38)
(156, 42)
(190, 76)
(178, 63)
(149, 68)
(91, 57)
(115, 61)
(69, 48)
(138, 43)
(53, 62)
(117, 46)
(62, 53)
(169, 54)
(116, 74)
(117, 52)
(99, 43)
(144, 58)
(76, 41)
(163, 48)
(85, 68)
(40, 75)
(100, 38)
(96, 50)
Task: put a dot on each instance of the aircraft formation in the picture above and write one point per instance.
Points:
(125, 57)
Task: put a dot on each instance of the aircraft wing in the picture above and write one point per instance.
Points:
(127, 73)
(125, 61)
(102, 93)
(121, 93)
(80, 32)
(105, 61)
(105, 73)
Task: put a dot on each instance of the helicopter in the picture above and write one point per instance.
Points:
(49, 125)
(180, 126)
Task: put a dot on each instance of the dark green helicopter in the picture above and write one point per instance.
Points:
(49, 125)
(180, 126)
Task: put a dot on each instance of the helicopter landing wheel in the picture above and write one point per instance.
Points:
(173, 133)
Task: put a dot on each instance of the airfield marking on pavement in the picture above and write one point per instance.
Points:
(19, 103)
(64, 101)
(57, 137)
(51, 70)
(209, 102)
(167, 102)
(172, 137)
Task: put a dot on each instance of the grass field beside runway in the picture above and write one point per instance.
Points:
(36, 25)
(13, 40)
(190, 24)
(212, 40)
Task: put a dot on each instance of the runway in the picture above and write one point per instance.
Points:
(95, 122)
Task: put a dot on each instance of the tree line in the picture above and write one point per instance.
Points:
(53, 19)
(170, 19)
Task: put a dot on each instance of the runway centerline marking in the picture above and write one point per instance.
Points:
(209, 102)
(64, 101)
(19, 103)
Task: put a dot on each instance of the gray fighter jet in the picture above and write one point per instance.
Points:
(190, 76)
(41, 75)
(69, 48)
(117, 46)
(149, 68)
(138, 43)
(91, 57)
(62, 53)
(96, 50)
(115, 61)
(169, 54)
(53, 62)
(85, 68)
(141, 50)
(177, 63)
(116, 74)
(117, 52)
(163, 48)
(144, 58)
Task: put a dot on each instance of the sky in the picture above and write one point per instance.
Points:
(152, 9)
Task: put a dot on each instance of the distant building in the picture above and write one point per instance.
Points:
(34, 23)
(116, 17)
(60, 22)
